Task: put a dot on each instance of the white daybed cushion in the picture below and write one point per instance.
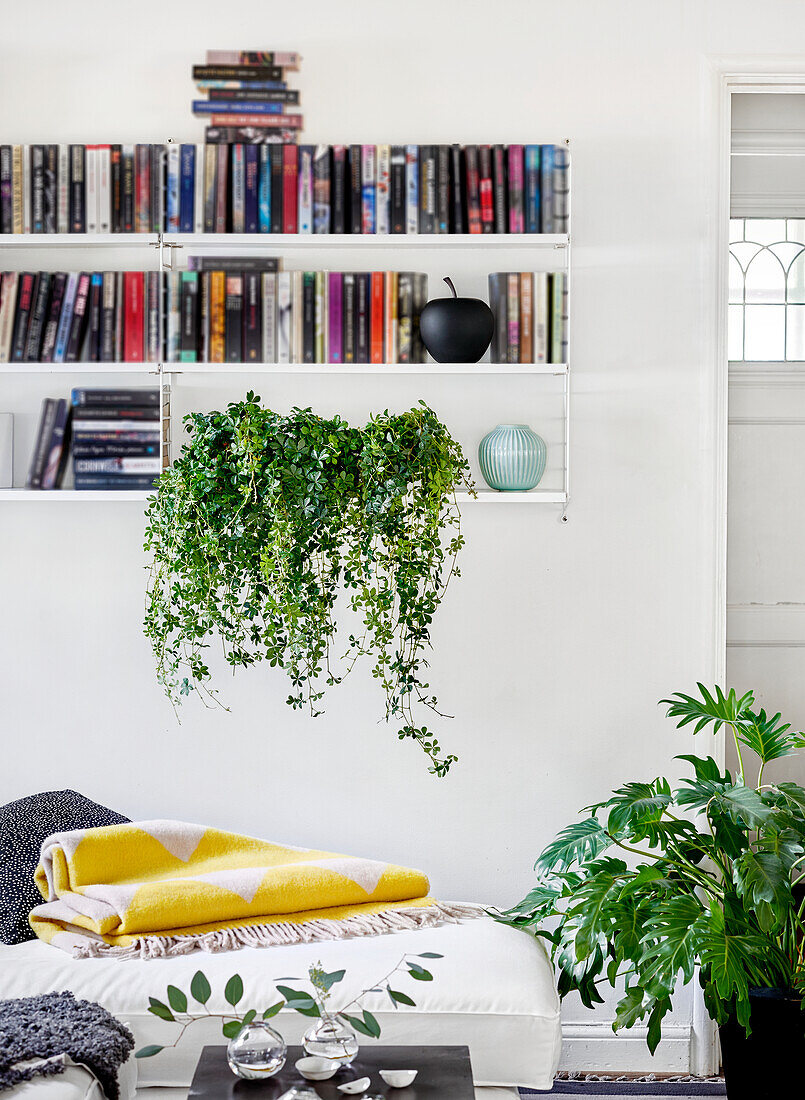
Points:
(77, 1082)
(493, 991)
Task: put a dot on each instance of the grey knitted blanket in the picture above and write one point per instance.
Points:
(54, 1024)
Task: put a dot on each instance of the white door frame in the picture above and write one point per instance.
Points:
(728, 75)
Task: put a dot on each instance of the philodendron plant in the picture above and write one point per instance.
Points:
(312, 1002)
(658, 880)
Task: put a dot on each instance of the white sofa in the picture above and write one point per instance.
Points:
(493, 991)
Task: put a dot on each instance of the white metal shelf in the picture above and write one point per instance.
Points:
(79, 368)
(494, 496)
(66, 495)
(288, 240)
(482, 369)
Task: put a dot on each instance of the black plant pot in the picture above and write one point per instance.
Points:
(766, 1065)
(456, 330)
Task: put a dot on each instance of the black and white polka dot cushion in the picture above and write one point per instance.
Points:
(24, 824)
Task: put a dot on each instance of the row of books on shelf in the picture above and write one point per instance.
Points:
(113, 437)
(530, 309)
(249, 88)
(240, 187)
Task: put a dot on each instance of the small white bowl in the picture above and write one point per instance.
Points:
(398, 1078)
(361, 1085)
(317, 1069)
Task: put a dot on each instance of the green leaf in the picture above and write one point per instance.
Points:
(769, 738)
(712, 710)
(160, 1009)
(629, 1008)
(574, 844)
(358, 1024)
(200, 988)
(418, 973)
(177, 999)
(231, 1028)
(671, 939)
(400, 998)
(761, 876)
(148, 1051)
(372, 1024)
(249, 1016)
(269, 1012)
(329, 980)
(429, 955)
(234, 989)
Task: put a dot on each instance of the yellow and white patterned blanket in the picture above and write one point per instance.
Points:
(153, 888)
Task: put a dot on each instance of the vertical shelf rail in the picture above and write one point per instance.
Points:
(568, 356)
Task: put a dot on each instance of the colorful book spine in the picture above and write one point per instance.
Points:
(233, 323)
(290, 172)
(368, 186)
(65, 318)
(541, 317)
(473, 190)
(189, 308)
(187, 174)
(238, 189)
(390, 317)
(173, 188)
(142, 188)
(199, 168)
(335, 319)
(383, 190)
(264, 192)
(376, 317)
(526, 317)
(339, 190)
(515, 181)
(217, 317)
(321, 189)
(412, 189)
(546, 189)
(252, 188)
(78, 215)
(91, 188)
(305, 198)
(48, 349)
(104, 169)
(134, 317)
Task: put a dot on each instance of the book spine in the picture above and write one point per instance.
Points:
(111, 417)
(114, 449)
(26, 188)
(173, 316)
(335, 288)
(498, 283)
(319, 317)
(515, 174)
(368, 189)
(362, 309)
(442, 223)
(308, 317)
(172, 196)
(383, 190)
(297, 319)
(348, 317)
(376, 317)
(248, 135)
(420, 282)
(513, 318)
(405, 303)
(208, 85)
(284, 317)
(457, 221)
(142, 188)
(499, 186)
(532, 189)
(16, 188)
(263, 121)
(25, 298)
(78, 222)
(264, 194)
(78, 324)
(37, 189)
(159, 187)
(473, 190)
(47, 419)
(237, 72)
(217, 317)
(36, 326)
(104, 168)
(397, 189)
(127, 176)
(56, 455)
(91, 188)
(339, 220)
(153, 316)
(559, 320)
(198, 188)
(65, 318)
(235, 107)
(355, 190)
(117, 465)
(210, 187)
(262, 94)
(120, 313)
(188, 346)
(114, 481)
(561, 189)
(133, 320)
(108, 318)
(234, 318)
(63, 189)
(221, 188)
(94, 396)
(48, 348)
(252, 327)
(252, 156)
(258, 58)
(305, 196)
(321, 189)
(546, 188)
(526, 317)
(8, 303)
(6, 187)
(290, 172)
(269, 289)
(277, 189)
(238, 189)
(391, 332)
(116, 185)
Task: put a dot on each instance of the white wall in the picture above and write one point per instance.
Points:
(557, 643)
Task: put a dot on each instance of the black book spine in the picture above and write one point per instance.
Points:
(116, 191)
(54, 312)
(233, 263)
(50, 189)
(457, 222)
(6, 190)
(485, 174)
(114, 449)
(78, 324)
(276, 188)
(127, 189)
(500, 188)
(39, 456)
(188, 306)
(159, 162)
(25, 296)
(349, 317)
(37, 188)
(78, 210)
(257, 95)
(95, 295)
(36, 327)
(338, 223)
(427, 189)
(108, 318)
(362, 281)
(142, 398)
(355, 190)
(148, 414)
(252, 327)
(56, 449)
(263, 73)
(308, 317)
(397, 184)
(442, 188)
(233, 319)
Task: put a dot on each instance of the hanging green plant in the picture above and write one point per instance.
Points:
(265, 519)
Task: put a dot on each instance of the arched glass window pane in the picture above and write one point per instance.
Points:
(765, 279)
(765, 230)
(744, 252)
(795, 284)
(796, 230)
(736, 281)
(764, 333)
(736, 229)
(786, 252)
(735, 332)
(795, 333)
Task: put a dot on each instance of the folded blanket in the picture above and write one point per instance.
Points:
(37, 1032)
(152, 888)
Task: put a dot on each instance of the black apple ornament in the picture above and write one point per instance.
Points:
(456, 330)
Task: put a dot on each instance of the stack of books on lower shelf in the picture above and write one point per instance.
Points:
(115, 438)
(531, 317)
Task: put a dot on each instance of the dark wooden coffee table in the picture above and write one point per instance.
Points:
(445, 1073)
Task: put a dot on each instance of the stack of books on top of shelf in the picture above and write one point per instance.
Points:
(246, 310)
(80, 316)
(243, 187)
(531, 317)
(248, 98)
(115, 438)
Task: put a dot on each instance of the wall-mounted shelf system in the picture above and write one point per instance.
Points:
(169, 246)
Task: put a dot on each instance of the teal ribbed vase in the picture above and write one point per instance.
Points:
(512, 457)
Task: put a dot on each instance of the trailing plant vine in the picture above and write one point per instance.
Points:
(264, 519)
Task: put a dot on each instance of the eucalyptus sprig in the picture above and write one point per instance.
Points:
(264, 520)
(306, 1003)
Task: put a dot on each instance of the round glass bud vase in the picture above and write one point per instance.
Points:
(256, 1052)
(331, 1038)
(512, 458)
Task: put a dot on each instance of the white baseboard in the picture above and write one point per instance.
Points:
(589, 1047)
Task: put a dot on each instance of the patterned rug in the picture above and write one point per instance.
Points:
(630, 1084)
